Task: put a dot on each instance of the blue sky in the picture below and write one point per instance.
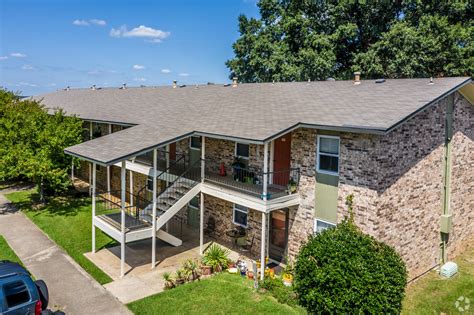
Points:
(47, 45)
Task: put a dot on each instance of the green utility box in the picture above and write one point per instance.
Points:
(446, 223)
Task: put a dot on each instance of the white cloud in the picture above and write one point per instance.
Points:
(18, 55)
(98, 22)
(50, 85)
(93, 72)
(139, 79)
(27, 67)
(89, 22)
(27, 84)
(3, 57)
(138, 67)
(165, 71)
(142, 31)
(80, 23)
(184, 74)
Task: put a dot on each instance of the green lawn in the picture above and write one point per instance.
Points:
(6, 252)
(222, 294)
(432, 294)
(68, 222)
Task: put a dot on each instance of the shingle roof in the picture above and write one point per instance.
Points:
(249, 111)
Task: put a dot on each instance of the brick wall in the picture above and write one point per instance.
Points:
(462, 176)
(222, 211)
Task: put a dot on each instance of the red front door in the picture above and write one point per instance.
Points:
(281, 160)
(173, 151)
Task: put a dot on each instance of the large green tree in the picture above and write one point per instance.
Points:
(304, 39)
(33, 141)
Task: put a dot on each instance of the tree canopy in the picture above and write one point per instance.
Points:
(33, 141)
(303, 39)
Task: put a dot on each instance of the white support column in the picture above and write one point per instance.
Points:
(131, 188)
(167, 166)
(263, 246)
(90, 165)
(272, 158)
(72, 170)
(203, 156)
(265, 170)
(110, 129)
(93, 206)
(122, 245)
(108, 178)
(201, 226)
(153, 238)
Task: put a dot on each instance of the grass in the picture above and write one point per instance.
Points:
(433, 294)
(222, 294)
(68, 222)
(6, 252)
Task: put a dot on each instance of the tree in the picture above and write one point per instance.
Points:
(303, 39)
(433, 47)
(33, 141)
(345, 271)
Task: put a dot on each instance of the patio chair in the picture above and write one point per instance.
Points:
(210, 229)
(248, 247)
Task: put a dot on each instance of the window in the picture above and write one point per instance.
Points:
(240, 215)
(194, 203)
(320, 225)
(149, 183)
(242, 150)
(328, 155)
(16, 293)
(195, 143)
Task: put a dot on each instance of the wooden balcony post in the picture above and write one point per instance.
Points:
(131, 188)
(122, 221)
(153, 237)
(93, 206)
(108, 179)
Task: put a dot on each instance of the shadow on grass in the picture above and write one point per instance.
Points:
(66, 205)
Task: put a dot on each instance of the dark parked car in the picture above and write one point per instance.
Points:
(19, 294)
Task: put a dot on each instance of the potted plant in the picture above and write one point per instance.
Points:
(191, 267)
(206, 270)
(169, 284)
(292, 187)
(250, 274)
(216, 257)
(287, 279)
(180, 277)
(288, 272)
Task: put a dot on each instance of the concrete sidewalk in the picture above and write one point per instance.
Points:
(71, 289)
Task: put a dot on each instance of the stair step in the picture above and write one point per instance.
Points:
(162, 206)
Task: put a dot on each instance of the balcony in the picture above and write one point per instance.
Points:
(250, 181)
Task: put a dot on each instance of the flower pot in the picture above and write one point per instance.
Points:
(206, 270)
(250, 274)
(287, 282)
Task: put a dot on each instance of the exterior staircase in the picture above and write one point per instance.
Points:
(171, 200)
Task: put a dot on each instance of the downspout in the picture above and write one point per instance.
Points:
(445, 214)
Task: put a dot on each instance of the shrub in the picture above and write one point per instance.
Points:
(343, 270)
(216, 257)
(279, 291)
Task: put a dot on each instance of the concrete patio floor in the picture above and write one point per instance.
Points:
(140, 279)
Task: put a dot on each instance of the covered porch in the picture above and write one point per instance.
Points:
(141, 281)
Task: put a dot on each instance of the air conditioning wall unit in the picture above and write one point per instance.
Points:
(449, 269)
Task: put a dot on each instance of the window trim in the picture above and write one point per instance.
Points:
(191, 143)
(318, 154)
(240, 156)
(324, 221)
(240, 210)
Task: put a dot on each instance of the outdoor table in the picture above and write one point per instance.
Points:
(234, 235)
